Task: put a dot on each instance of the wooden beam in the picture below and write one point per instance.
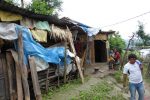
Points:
(65, 63)
(83, 58)
(34, 76)
(23, 68)
(73, 50)
(18, 76)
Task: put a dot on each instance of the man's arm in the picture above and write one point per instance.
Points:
(124, 80)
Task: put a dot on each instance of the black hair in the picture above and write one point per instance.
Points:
(132, 56)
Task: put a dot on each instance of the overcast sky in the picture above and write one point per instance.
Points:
(100, 13)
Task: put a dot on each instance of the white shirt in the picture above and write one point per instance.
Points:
(134, 74)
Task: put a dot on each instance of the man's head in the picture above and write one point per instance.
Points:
(115, 50)
(132, 58)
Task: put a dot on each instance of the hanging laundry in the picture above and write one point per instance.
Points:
(6, 16)
(27, 22)
(44, 25)
(7, 31)
(39, 35)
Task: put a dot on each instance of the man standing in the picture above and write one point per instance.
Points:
(134, 71)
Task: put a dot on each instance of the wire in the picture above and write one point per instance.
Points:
(126, 20)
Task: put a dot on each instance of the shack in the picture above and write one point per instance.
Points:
(91, 44)
(34, 49)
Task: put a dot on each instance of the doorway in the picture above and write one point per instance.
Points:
(100, 51)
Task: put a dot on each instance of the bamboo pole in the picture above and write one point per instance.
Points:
(23, 68)
(73, 50)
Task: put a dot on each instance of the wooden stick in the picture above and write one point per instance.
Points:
(73, 50)
(18, 76)
(83, 58)
(65, 64)
(23, 68)
(35, 82)
(125, 54)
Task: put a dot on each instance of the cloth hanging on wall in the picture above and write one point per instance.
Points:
(7, 16)
(27, 22)
(43, 25)
(39, 35)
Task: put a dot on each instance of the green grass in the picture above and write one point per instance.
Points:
(63, 88)
(100, 91)
(117, 75)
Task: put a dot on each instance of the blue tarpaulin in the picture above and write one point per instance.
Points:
(90, 31)
(33, 48)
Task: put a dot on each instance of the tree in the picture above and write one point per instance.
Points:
(46, 7)
(116, 41)
(145, 38)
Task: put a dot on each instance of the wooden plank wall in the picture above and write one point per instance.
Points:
(4, 88)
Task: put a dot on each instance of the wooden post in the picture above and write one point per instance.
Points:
(10, 63)
(65, 63)
(73, 50)
(35, 82)
(125, 54)
(58, 82)
(23, 68)
(83, 58)
(18, 76)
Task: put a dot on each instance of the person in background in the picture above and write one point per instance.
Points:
(116, 58)
(133, 70)
(111, 60)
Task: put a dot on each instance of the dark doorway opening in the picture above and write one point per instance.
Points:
(100, 51)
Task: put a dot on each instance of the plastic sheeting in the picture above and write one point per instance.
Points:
(90, 31)
(40, 64)
(32, 48)
(7, 31)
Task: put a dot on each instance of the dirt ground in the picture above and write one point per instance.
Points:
(95, 78)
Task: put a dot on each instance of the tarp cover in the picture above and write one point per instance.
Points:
(33, 48)
(90, 31)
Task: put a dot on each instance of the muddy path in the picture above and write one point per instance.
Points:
(102, 74)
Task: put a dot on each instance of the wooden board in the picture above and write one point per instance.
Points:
(10, 64)
(23, 68)
(18, 76)
(34, 76)
(4, 89)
